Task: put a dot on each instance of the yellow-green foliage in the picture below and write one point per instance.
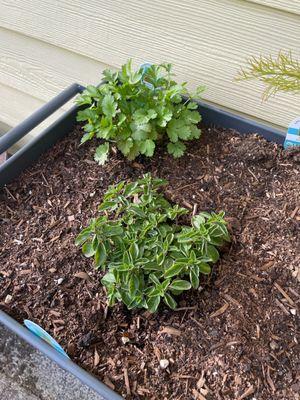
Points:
(281, 73)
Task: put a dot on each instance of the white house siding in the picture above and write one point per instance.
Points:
(45, 46)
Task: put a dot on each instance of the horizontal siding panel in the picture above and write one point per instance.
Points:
(206, 41)
(292, 6)
(40, 69)
(15, 106)
(4, 128)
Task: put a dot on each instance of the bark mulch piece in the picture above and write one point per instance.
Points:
(235, 338)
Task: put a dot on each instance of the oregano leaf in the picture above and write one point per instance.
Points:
(88, 250)
(180, 284)
(147, 257)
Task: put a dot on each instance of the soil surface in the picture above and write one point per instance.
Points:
(237, 337)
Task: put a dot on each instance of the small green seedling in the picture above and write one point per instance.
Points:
(134, 110)
(146, 255)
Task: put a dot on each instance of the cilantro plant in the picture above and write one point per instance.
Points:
(146, 255)
(135, 109)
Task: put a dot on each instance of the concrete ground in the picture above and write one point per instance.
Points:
(25, 374)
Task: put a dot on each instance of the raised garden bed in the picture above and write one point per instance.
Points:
(234, 338)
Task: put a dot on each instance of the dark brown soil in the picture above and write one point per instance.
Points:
(235, 338)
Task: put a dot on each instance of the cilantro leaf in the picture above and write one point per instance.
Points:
(109, 106)
(140, 131)
(93, 91)
(165, 116)
(195, 132)
(151, 114)
(147, 147)
(177, 128)
(101, 153)
(190, 117)
(125, 145)
(87, 114)
(104, 132)
(192, 105)
(86, 137)
(176, 149)
(136, 108)
(140, 117)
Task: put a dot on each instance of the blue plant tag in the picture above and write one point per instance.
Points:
(38, 331)
(145, 68)
(293, 134)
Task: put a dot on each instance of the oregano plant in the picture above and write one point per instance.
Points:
(147, 255)
(134, 110)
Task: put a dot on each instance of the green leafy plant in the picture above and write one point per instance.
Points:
(278, 74)
(135, 109)
(146, 255)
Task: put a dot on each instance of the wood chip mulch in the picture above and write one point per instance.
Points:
(237, 337)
